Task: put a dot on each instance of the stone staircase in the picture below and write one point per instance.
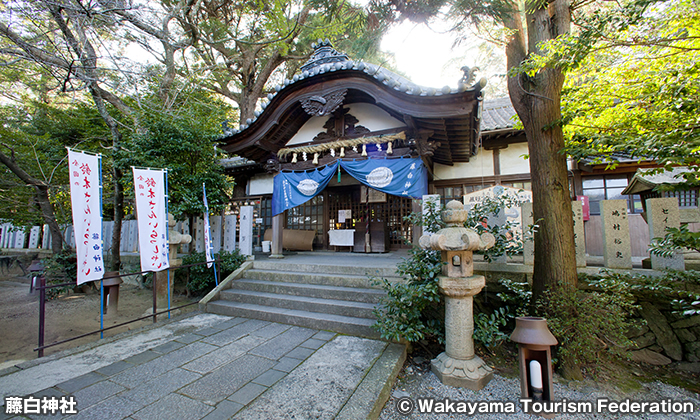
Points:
(337, 298)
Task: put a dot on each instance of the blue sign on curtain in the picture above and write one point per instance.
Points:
(403, 177)
(291, 189)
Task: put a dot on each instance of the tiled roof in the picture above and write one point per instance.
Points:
(497, 114)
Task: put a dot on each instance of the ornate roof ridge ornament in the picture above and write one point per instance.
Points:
(318, 106)
(324, 53)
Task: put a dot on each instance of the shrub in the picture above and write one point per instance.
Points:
(60, 268)
(201, 278)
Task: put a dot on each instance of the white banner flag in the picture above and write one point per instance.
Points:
(149, 187)
(86, 202)
(208, 248)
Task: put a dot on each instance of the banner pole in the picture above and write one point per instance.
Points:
(102, 236)
(167, 233)
(102, 309)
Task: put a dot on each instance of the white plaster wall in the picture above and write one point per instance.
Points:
(511, 159)
(479, 165)
(370, 116)
(260, 184)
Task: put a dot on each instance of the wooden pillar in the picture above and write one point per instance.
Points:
(277, 229)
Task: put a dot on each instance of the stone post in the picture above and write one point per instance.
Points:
(175, 239)
(458, 365)
(663, 213)
(579, 233)
(617, 250)
(527, 219)
(245, 242)
(277, 232)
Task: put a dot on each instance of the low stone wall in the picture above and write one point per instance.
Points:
(661, 336)
(665, 337)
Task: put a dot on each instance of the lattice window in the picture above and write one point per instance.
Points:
(308, 216)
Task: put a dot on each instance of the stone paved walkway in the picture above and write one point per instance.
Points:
(215, 367)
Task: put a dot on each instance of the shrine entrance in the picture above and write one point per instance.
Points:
(386, 213)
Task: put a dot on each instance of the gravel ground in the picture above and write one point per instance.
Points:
(416, 381)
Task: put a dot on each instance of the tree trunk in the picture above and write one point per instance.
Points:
(537, 100)
(118, 217)
(42, 198)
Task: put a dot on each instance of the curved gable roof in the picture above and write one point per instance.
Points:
(448, 116)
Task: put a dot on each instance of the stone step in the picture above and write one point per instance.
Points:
(325, 268)
(328, 306)
(356, 294)
(338, 323)
(313, 277)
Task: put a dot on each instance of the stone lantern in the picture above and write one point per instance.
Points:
(458, 365)
(175, 239)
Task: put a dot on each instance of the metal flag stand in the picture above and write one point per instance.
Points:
(167, 235)
(208, 245)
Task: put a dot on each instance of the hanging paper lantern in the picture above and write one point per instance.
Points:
(294, 158)
(389, 150)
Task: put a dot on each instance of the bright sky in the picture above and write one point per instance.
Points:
(427, 57)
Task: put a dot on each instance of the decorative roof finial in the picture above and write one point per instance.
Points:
(324, 53)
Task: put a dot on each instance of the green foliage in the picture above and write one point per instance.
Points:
(488, 328)
(588, 324)
(636, 86)
(35, 136)
(183, 142)
(201, 278)
(60, 268)
(676, 239)
(414, 310)
(509, 240)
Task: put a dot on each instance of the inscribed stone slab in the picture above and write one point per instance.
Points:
(663, 213)
(246, 232)
(528, 241)
(579, 233)
(316, 389)
(617, 251)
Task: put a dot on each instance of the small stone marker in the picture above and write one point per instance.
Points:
(46, 238)
(663, 213)
(528, 240)
(216, 233)
(230, 232)
(579, 233)
(497, 220)
(199, 244)
(34, 237)
(246, 235)
(617, 251)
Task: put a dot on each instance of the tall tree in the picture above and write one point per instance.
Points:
(536, 97)
(72, 39)
(240, 46)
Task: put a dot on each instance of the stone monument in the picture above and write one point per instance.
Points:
(663, 213)
(579, 233)
(458, 365)
(175, 239)
(527, 218)
(617, 250)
